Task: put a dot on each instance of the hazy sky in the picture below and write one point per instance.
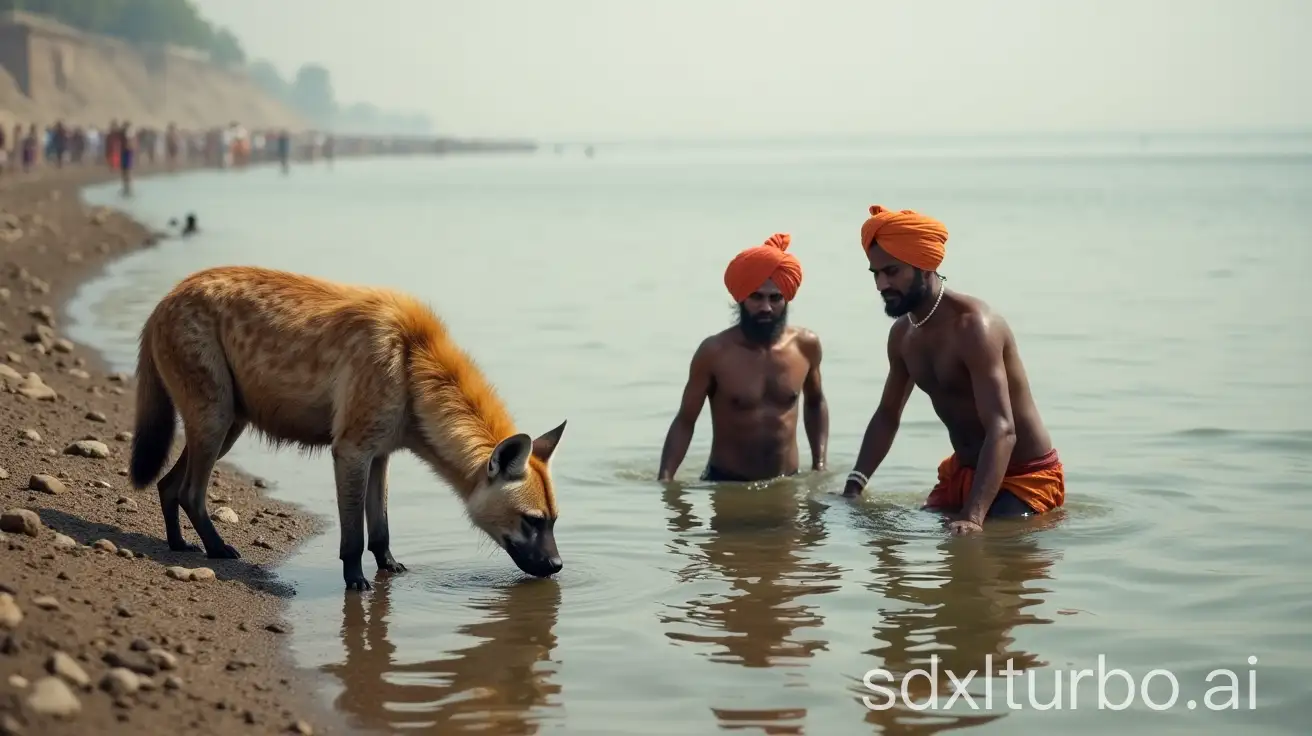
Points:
(760, 68)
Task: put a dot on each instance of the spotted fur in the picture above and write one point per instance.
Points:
(317, 364)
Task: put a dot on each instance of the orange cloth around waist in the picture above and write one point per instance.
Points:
(1040, 483)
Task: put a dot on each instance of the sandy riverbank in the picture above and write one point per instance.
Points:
(96, 636)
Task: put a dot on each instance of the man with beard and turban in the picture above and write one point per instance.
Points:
(964, 356)
(755, 374)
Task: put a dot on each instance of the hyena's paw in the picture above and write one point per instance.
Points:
(387, 563)
(184, 547)
(226, 552)
(353, 574)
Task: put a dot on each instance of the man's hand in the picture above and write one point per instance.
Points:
(961, 527)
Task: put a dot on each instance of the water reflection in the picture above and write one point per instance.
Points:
(754, 548)
(500, 685)
(961, 601)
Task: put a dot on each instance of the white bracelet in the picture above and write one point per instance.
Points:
(859, 477)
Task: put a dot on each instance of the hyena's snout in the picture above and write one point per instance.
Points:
(532, 547)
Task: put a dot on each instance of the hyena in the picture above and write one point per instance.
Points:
(362, 371)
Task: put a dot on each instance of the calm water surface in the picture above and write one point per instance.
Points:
(1158, 303)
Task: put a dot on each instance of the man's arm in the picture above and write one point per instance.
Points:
(888, 416)
(815, 410)
(681, 429)
(982, 346)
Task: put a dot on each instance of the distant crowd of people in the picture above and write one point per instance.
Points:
(120, 146)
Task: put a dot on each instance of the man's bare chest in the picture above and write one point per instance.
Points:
(759, 381)
(936, 370)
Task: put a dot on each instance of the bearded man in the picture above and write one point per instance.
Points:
(755, 374)
(964, 357)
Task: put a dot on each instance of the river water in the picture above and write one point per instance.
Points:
(1152, 284)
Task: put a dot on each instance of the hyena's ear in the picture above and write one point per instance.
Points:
(546, 444)
(510, 457)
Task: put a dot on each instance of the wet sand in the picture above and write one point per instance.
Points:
(100, 631)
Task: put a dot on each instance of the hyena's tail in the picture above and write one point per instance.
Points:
(152, 437)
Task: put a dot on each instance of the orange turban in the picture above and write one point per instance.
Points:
(908, 236)
(770, 260)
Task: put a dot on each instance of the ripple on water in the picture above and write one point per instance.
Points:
(597, 577)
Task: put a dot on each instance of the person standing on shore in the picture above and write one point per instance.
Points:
(30, 143)
(964, 356)
(127, 152)
(285, 149)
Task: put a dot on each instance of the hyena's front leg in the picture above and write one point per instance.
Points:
(351, 468)
(375, 509)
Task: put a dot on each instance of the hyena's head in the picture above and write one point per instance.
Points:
(515, 504)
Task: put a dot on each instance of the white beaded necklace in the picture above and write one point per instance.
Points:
(933, 309)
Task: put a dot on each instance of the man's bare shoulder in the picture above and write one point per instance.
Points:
(712, 346)
(978, 327)
(808, 342)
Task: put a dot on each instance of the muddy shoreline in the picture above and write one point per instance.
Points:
(102, 628)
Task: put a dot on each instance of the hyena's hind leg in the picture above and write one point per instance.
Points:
(171, 484)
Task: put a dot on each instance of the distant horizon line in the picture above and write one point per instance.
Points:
(1055, 134)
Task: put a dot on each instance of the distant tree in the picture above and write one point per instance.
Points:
(176, 22)
(225, 49)
(312, 92)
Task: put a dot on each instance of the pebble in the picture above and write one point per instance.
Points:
(122, 610)
(46, 603)
(10, 614)
(9, 726)
(104, 544)
(39, 334)
(132, 661)
(20, 521)
(4, 474)
(88, 448)
(302, 728)
(225, 515)
(18, 682)
(120, 681)
(101, 484)
(172, 682)
(46, 484)
(34, 388)
(42, 313)
(51, 696)
(97, 416)
(64, 542)
(127, 505)
(65, 667)
(29, 434)
(162, 659)
(189, 574)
